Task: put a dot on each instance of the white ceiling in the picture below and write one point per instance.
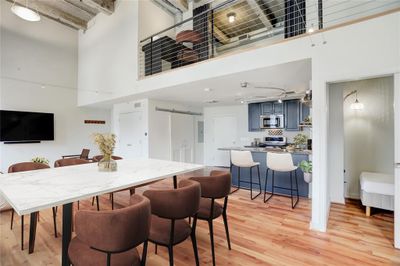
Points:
(294, 76)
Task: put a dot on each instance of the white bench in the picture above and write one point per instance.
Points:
(377, 191)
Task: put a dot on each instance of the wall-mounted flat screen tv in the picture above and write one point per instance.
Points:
(16, 126)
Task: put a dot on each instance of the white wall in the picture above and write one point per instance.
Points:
(368, 133)
(39, 74)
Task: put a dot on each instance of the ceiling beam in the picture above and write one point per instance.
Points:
(54, 13)
(104, 6)
(256, 7)
(182, 5)
(221, 36)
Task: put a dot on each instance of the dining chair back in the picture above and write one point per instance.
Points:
(170, 208)
(98, 158)
(111, 237)
(69, 162)
(215, 186)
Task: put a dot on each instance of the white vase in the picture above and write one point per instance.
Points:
(308, 177)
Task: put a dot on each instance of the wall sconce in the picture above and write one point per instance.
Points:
(357, 105)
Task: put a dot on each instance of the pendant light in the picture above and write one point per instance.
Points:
(25, 12)
(357, 105)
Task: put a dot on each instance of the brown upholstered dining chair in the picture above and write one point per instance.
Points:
(23, 167)
(84, 155)
(75, 161)
(111, 237)
(215, 186)
(98, 158)
(169, 209)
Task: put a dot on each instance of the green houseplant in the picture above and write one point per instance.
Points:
(40, 160)
(300, 140)
(306, 167)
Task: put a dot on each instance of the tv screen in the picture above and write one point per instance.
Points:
(18, 126)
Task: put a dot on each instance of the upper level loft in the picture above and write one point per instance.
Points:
(207, 29)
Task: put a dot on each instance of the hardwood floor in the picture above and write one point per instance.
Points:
(261, 234)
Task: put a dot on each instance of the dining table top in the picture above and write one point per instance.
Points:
(33, 191)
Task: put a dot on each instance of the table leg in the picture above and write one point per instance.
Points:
(66, 233)
(175, 182)
(32, 231)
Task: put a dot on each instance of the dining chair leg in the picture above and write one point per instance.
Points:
(144, 253)
(171, 255)
(210, 225)
(238, 185)
(55, 222)
(224, 216)
(251, 183)
(12, 219)
(97, 203)
(156, 249)
(194, 242)
(92, 201)
(112, 200)
(22, 232)
(78, 205)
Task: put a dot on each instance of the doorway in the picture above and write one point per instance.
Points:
(131, 135)
(361, 141)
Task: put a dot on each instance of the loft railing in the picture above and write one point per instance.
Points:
(236, 24)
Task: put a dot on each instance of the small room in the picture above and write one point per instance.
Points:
(361, 135)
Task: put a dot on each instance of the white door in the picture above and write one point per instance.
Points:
(182, 138)
(397, 160)
(131, 135)
(225, 135)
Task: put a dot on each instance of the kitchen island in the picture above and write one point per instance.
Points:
(281, 179)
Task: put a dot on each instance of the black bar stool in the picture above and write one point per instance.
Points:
(244, 159)
(281, 162)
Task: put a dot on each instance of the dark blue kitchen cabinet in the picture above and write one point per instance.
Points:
(254, 116)
(267, 108)
(304, 111)
(272, 108)
(278, 108)
(292, 115)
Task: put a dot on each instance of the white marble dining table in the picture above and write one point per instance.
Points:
(30, 192)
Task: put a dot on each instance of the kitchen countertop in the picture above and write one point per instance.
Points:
(265, 150)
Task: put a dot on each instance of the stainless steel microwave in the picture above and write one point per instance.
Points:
(272, 121)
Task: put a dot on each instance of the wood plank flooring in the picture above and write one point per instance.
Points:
(261, 234)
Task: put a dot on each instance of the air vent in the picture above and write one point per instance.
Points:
(243, 37)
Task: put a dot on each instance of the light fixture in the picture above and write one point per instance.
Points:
(25, 12)
(356, 105)
(311, 29)
(231, 17)
(280, 100)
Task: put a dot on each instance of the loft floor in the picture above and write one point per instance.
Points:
(261, 234)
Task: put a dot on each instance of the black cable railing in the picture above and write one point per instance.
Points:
(235, 24)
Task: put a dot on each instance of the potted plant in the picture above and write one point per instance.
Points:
(106, 144)
(40, 160)
(306, 167)
(300, 140)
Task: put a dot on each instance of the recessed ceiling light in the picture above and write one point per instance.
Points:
(231, 17)
(279, 100)
(25, 13)
(212, 101)
(310, 30)
(207, 89)
(241, 101)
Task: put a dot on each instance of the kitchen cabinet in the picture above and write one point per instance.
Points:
(292, 115)
(254, 116)
(304, 111)
(271, 108)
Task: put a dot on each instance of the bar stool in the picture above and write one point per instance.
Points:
(281, 162)
(244, 159)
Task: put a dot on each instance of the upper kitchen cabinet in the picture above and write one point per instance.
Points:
(254, 116)
(271, 108)
(292, 115)
(304, 112)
